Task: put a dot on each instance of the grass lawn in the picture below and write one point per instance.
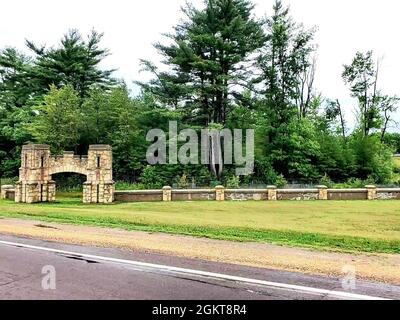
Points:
(363, 226)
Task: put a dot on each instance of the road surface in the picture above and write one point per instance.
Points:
(28, 268)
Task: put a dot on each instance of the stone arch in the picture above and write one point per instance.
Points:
(38, 165)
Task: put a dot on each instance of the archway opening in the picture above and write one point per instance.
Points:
(69, 186)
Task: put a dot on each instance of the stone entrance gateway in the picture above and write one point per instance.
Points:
(38, 165)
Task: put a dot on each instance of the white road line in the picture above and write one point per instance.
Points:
(303, 289)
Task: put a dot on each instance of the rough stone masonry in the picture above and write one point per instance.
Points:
(38, 165)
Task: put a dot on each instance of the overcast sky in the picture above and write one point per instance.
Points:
(130, 27)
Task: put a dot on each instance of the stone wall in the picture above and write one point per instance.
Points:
(139, 196)
(245, 195)
(7, 192)
(194, 195)
(272, 193)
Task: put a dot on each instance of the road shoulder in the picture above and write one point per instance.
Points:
(375, 267)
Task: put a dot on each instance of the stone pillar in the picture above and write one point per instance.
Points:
(87, 192)
(167, 194)
(322, 192)
(220, 193)
(32, 192)
(272, 193)
(109, 191)
(51, 191)
(18, 192)
(34, 174)
(100, 186)
(371, 192)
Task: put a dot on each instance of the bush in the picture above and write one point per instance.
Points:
(326, 181)
(121, 185)
(151, 178)
(233, 182)
(280, 181)
(183, 182)
(8, 181)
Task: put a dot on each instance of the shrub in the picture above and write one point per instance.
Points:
(183, 182)
(326, 181)
(233, 182)
(280, 181)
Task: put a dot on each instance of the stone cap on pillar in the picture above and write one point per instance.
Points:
(9, 186)
(100, 147)
(35, 147)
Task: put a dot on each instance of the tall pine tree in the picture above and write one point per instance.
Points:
(210, 60)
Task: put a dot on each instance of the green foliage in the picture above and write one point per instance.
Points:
(71, 183)
(373, 159)
(183, 182)
(207, 60)
(8, 181)
(326, 181)
(288, 66)
(375, 109)
(25, 80)
(123, 185)
(151, 178)
(58, 120)
(280, 181)
(233, 182)
(74, 62)
(393, 140)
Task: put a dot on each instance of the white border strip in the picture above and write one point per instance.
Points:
(310, 290)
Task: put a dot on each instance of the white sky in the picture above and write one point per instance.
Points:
(131, 27)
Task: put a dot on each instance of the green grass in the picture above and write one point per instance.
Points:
(345, 226)
(397, 162)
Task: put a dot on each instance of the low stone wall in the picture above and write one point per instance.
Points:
(139, 196)
(388, 194)
(8, 192)
(298, 194)
(193, 195)
(272, 193)
(246, 194)
(347, 194)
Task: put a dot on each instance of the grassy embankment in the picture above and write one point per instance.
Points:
(344, 226)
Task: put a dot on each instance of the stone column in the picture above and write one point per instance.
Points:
(322, 192)
(33, 174)
(18, 192)
(220, 193)
(100, 184)
(51, 191)
(272, 193)
(87, 192)
(371, 192)
(109, 191)
(167, 194)
(32, 192)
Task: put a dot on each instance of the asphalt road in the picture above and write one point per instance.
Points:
(95, 273)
